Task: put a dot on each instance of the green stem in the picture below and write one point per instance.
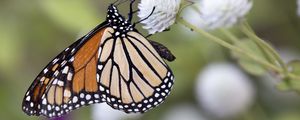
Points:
(231, 37)
(233, 48)
(265, 46)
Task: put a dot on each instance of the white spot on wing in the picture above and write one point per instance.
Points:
(55, 60)
(100, 67)
(72, 59)
(45, 70)
(44, 101)
(28, 98)
(101, 88)
(60, 83)
(66, 69)
(73, 50)
(49, 107)
(88, 97)
(31, 104)
(96, 96)
(98, 78)
(57, 108)
(63, 63)
(168, 74)
(67, 93)
(55, 82)
(81, 95)
(166, 80)
(117, 33)
(69, 77)
(156, 95)
(75, 99)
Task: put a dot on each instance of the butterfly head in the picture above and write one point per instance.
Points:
(118, 22)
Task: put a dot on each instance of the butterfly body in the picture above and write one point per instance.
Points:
(113, 63)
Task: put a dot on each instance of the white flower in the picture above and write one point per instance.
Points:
(224, 91)
(163, 16)
(222, 13)
(105, 112)
(298, 7)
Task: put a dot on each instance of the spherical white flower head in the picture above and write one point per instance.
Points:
(224, 91)
(222, 13)
(163, 16)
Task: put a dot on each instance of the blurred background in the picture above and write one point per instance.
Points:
(209, 84)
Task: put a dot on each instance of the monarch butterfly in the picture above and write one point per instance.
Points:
(113, 63)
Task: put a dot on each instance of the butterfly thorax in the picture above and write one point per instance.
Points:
(120, 25)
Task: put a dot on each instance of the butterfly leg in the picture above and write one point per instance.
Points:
(163, 51)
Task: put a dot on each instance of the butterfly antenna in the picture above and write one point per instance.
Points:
(146, 17)
(130, 14)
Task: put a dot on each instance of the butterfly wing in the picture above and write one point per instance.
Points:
(132, 75)
(69, 81)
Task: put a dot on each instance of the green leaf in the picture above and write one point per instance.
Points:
(245, 62)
